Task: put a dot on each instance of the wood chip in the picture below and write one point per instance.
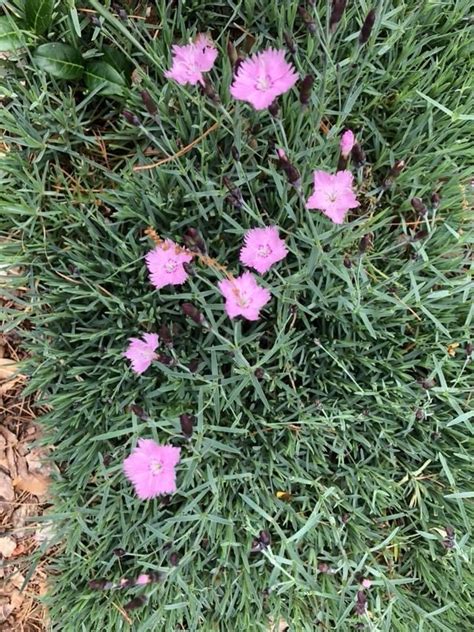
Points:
(35, 484)
(6, 487)
(7, 546)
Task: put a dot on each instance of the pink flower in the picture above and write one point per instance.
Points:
(244, 297)
(165, 264)
(263, 247)
(141, 353)
(262, 78)
(192, 60)
(150, 468)
(333, 194)
(347, 143)
(143, 579)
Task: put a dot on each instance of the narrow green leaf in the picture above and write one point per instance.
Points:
(59, 60)
(39, 15)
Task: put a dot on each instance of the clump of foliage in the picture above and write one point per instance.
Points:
(327, 443)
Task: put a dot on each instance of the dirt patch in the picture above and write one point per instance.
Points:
(24, 478)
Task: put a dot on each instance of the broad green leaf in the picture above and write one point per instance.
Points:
(100, 74)
(9, 35)
(60, 60)
(38, 15)
(116, 58)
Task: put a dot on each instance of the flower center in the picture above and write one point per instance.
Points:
(264, 250)
(243, 300)
(155, 467)
(332, 196)
(263, 83)
(171, 265)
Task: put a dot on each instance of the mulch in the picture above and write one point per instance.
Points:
(24, 479)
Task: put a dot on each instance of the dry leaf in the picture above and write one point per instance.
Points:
(35, 484)
(8, 374)
(451, 349)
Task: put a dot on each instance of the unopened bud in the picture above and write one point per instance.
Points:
(193, 366)
(394, 172)
(347, 262)
(366, 242)
(131, 118)
(307, 19)
(148, 102)
(265, 538)
(232, 53)
(189, 268)
(337, 10)
(136, 602)
(305, 89)
(274, 108)
(290, 43)
(361, 602)
(235, 195)
(164, 359)
(165, 336)
(397, 168)
(174, 559)
(138, 411)
(193, 313)
(418, 206)
(194, 242)
(435, 200)
(292, 173)
(235, 153)
(358, 155)
(187, 424)
(367, 27)
(208, 90)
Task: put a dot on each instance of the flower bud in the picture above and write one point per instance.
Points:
(192, 312)
(291, 172)
(165, 336)
(136, 602)
(194, 242)
(393, 173)
(131, 118)
(367, 27)
(435, 200)
(307, 19)
(366, 242)
(274, 108)
(358, 155)
(138, 411)
(148, 102)
(305, 89)
(187, 424)
(232, 53)
(265, 538)
(290, 43)
(337, 10)
(418, 206)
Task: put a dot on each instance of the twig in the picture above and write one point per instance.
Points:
(180, 153)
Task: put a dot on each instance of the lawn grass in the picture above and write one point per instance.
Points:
(360, 412)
